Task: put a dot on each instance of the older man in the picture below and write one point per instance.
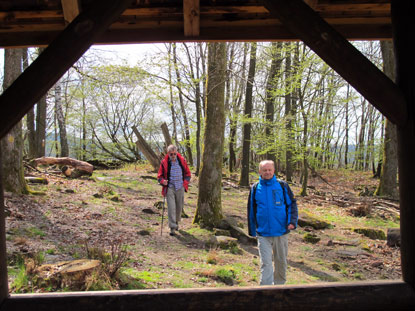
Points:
(272, 213)
(174, 176)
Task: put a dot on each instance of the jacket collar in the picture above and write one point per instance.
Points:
(267, 182)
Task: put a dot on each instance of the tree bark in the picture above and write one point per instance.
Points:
(41, 111)
(12, 142)
(183, 110)
(388, 177)
(60, 116)
(166, 134)
(146, 150)
(76, 164)
(288, 115)
(209, 204)
(246, 142)
(30, 116)
(276, 62)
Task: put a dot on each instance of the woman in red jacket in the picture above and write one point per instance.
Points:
(174, 176)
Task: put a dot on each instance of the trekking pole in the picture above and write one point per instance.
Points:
(162, 216)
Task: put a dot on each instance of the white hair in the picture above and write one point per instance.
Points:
(262, 163)
(171, 148)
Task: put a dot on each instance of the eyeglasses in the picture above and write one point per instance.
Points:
(172, 154)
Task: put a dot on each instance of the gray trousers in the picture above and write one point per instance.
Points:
(273, 248)
(175, 201)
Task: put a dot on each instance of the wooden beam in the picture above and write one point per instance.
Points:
(342, 56)
(323, 297)
(312, 3)
(403, 25)
(191, 16)
(57, 58)
(4, 291)
(71, 9)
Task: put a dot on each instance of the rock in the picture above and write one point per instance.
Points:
(393, 237)
(376, 264)
(224, 242)
(98, 195)
(305, 219)
(350, 253)
(222, 232)
(231, 225)
(143, 232)
(311, 238)
(148, 211)
(374, 234)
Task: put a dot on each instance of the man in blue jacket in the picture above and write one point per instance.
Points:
(272, 213)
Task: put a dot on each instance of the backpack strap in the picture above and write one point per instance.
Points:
(282, 184)
(254, 205)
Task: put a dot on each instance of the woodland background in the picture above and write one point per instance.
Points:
(226, 105)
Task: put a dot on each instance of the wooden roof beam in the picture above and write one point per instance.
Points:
(71, 9)
(342, 56)
(57, 58)
(191, 16)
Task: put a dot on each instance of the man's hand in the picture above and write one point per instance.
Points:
(291, 227)
(165, 182)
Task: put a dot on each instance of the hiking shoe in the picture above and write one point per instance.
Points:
(172, 232)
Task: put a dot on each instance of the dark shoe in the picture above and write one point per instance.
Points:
(172, 232)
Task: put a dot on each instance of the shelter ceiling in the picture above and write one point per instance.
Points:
(38, 22)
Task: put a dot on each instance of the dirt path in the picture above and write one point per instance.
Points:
(123, 207)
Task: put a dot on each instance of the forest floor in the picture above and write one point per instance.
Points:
(120, 213)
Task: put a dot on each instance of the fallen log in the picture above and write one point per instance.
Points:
(79, 167)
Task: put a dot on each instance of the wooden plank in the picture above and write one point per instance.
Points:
(312, 3)
(174, 33)
(71, 9)
(65, 50)
(322, 297)
(342, 56)
(191, 18)
(402, 20)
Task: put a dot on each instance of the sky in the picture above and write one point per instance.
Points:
(132, 52)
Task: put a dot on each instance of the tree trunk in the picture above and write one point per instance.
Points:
(84, 167)
(209, 204)
(246, 142)
(387, 183)
(173, 112)
(64, 152)
(346, 150)
(166, 134)
(12, 142)
(30, 116)
(41, 109)
(183, 109)
(146, 150)
(270, 98)
(288, 115)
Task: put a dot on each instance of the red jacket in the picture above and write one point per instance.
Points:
(164, 172)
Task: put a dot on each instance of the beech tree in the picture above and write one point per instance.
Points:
(246, 141)
(209, 204)
(12, 143)
(387, 183)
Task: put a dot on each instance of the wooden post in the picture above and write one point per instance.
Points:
(191, 18)
(4, 291)
(402, 21)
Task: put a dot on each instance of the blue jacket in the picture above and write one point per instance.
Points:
(271, 208)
